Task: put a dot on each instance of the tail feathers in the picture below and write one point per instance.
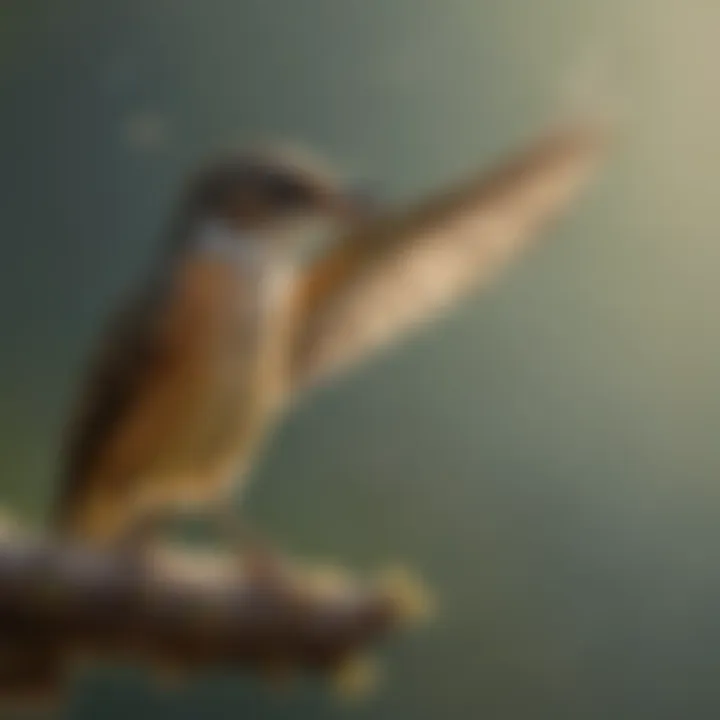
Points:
(98, 519)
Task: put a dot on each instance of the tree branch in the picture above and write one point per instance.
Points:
(180, 611)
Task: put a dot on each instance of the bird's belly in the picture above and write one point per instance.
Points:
(228, 387)
(234, 402)
(223, 422)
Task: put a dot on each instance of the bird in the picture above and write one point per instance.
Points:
(233, 324)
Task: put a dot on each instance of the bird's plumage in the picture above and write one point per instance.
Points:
(127, 357)
(192, 374)
(186, 380)
(401, 270)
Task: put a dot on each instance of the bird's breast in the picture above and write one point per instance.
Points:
(230, 331)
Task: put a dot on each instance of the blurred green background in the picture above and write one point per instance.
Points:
(547, 456)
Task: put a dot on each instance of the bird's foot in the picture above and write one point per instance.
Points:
(261, 562)
(138, 545)
(254, 556)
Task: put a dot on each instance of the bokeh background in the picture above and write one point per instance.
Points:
(547, 456)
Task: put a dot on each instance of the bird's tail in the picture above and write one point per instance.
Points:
(97, 519)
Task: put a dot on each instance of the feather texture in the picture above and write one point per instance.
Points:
(399, 272)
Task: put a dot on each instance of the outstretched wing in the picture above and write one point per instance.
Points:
(398, 272)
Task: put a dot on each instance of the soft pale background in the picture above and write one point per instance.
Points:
(548, 456)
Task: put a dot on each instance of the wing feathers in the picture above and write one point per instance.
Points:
(399, 272)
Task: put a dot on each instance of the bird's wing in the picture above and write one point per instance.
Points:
(130, 355)
(396, 273)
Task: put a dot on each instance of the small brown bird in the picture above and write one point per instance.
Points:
(230, 326)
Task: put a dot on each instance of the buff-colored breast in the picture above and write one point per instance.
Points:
(231, 328)
(195, 428)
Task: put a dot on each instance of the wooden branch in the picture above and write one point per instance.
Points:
(182, 612)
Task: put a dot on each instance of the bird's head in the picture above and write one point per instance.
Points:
(277, 196)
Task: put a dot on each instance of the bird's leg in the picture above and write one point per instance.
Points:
(253, 552)
(139, 539)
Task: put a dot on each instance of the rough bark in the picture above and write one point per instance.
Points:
(62, 606)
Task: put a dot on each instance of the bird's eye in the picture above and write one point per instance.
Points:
(287, 191)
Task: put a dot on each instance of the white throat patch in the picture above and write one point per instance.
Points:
(254, 258)
(217, 239)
